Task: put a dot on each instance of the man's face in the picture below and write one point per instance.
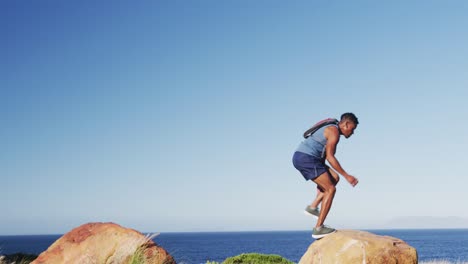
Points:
(348, 129)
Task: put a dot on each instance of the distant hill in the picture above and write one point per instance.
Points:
(428, 222)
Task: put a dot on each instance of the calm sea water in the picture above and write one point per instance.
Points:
(433, 244)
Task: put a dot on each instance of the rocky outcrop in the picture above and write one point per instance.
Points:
(104, 243)
(351, 246)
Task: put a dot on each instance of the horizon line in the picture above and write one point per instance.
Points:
(256, 231)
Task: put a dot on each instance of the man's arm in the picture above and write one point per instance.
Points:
(333, 137)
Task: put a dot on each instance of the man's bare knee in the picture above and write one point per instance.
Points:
(331, 189)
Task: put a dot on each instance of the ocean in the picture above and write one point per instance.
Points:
(195, 248)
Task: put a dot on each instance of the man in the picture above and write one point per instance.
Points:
(309, 159)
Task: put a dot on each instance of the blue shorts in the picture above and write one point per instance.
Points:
(309, 166)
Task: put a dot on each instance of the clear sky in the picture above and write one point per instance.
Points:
(184, 115)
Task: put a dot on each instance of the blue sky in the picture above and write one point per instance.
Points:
(184, 115)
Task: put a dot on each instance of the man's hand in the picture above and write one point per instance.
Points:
(352, 180)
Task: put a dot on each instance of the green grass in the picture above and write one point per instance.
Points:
(254, 258)
(138, 257)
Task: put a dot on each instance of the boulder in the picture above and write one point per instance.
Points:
(104, 243)
(352, 246)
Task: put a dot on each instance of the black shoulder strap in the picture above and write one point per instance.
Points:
(325, 122)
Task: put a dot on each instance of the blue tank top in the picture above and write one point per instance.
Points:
(314, 145)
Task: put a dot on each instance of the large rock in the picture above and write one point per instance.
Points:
(103, 243)
(351, 246)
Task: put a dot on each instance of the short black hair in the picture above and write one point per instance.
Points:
(350, 117)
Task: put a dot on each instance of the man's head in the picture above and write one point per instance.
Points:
(347, 124)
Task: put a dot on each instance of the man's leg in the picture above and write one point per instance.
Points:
(313, 209)
(324, 182)
(333, 176)
(334, 179)
(318, 199)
